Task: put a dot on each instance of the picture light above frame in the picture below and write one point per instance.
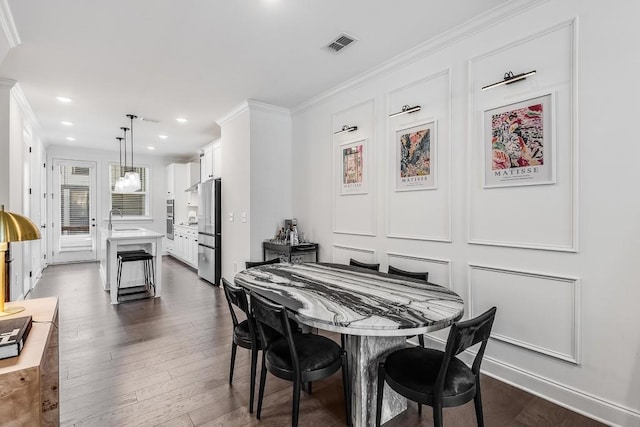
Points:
(346, 128)
(406, 110)
(509, 78)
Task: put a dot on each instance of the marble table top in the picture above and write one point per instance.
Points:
(355, 301)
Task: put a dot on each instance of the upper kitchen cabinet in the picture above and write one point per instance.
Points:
(211, 161)
(176, 179)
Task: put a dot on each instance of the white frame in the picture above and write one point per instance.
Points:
(352, 189)
(430, 182)
(526, 175)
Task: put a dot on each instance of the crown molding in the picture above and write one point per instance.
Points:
(5, 82)
(236, 111)
(8, 25)
(248, 105)
(24, 105)
(429, 47)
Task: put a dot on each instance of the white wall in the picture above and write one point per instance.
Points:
(256, 180)
(103, 159)
(558, 260)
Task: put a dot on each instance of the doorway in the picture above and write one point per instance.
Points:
(74, 211)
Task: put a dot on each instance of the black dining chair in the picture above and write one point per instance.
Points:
(294, 356)
(250, 264)
(423, 276)
(439, 379)
(244, 334)
(356, 263)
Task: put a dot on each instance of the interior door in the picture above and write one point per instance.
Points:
(27, 267)
(74, 211)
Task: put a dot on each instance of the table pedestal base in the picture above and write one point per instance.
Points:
(364, 353)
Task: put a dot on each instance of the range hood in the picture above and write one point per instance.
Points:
(193, 188)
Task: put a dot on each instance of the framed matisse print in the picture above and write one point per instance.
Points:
(415, 162)
(353, 159)
(518, 143)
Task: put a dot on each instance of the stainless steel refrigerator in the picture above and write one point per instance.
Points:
(209, 231)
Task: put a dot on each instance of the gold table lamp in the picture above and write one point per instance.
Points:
(13, 228)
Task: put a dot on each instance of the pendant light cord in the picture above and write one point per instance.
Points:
(131, 116)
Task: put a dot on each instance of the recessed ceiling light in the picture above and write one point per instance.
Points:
(63, 99)
(163, 136)
(66, 123)
(181, 120)
(70, 138)
(151, 148)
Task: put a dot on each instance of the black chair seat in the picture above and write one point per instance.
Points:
(135, 257)
(413, 371)
(315, 352)
(242, 334)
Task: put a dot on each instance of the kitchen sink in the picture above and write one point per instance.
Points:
(127, 229)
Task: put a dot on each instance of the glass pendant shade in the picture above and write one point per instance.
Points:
(131, 181)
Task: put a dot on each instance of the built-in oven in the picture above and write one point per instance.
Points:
(170, 219)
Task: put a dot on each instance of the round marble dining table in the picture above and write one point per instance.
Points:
(375, 311)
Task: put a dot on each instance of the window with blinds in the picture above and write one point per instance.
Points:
(130, 203)
(74, 200)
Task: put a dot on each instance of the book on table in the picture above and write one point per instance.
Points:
(13, 334)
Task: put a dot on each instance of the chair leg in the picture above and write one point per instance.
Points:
(263, 379)
(381, 375)
(437, 414)
(234, 347)
(346, 388)
(296, 401)
(421, 340)
(477, 401)
(254, 362)
(419, 408)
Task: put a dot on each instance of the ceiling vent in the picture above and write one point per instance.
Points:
(342, 41)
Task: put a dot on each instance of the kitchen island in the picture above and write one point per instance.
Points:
(126, 239)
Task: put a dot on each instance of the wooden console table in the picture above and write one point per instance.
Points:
(29, 382)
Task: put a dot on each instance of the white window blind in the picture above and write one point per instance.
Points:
(134, 203)
(74, 200)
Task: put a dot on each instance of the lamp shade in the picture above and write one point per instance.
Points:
(15, 228)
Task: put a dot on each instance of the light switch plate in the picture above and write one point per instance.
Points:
(243, 217)
(230, 216)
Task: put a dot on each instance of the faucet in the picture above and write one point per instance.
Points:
(110, 212)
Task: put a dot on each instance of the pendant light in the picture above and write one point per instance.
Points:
(119, 185)
(131, 177)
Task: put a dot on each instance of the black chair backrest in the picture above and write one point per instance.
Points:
(250, 264)
(357, 263)
(467, 334)
(235, 296)
(414, 275)
(268, 313)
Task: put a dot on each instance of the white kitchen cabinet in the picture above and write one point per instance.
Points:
(211, 161)
(193, 173)
(186, 245)
(170, 173)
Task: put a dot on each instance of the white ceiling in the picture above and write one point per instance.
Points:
(199, 59)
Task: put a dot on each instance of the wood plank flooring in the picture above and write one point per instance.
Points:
(165, 362)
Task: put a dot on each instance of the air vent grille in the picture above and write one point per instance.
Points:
(340, 42)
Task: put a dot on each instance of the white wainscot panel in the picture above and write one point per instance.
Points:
(439, 269)
(354, 208)
(342, 254)
(538, 312)
(526, 215)
(421, 214)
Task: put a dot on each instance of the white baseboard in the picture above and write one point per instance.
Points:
(575, 400)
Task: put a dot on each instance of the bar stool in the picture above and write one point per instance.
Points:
(149, 289)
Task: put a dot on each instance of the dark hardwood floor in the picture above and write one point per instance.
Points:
(166, 362)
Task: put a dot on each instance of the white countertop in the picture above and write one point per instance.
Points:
(124, 232)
